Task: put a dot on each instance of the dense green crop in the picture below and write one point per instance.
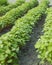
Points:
(44, 44)
(19, 34)
(3, 2)
(15, 13)
(5, 9)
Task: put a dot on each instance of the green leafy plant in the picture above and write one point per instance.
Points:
(3, 2)
(16, 13)
(11, 42)
(44, 44)
(4, 9)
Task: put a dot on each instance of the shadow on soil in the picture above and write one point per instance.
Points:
(5, 30)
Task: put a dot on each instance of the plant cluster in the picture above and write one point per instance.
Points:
(15, 13)
(11, 42)
(3, 2)
(44, 44)
(4, 9)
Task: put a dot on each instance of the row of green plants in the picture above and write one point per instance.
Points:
(11, 42)
(44, 44)
(4, 9)
(12, 15)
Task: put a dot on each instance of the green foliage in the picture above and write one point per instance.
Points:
(19, 34)
(44, 44)
(3, 2)
(5, 9)
(15, 13)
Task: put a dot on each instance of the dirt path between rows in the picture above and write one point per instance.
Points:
(28, 55)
